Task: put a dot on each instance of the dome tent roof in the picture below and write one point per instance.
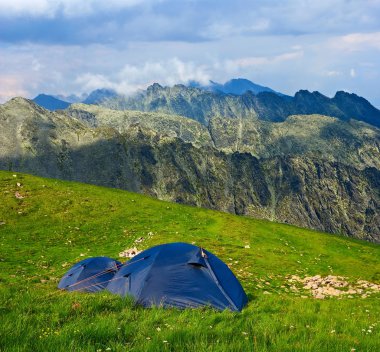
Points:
(179, 275)
(89, 275)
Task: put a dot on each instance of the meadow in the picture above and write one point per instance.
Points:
(47, 225)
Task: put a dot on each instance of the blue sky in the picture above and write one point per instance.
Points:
(71, 46)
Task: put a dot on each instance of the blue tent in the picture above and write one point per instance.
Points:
(90, 275)
(179, 275)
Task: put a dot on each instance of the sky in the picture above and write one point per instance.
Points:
(73, 47)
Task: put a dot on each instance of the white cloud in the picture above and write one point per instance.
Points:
(70, 8)
(333, 73)
(36, 65)
(263, 60)
(134, 77)
(352, 73)
(218, 30)
(357, 41)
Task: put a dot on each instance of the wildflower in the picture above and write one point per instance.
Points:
(158, 329)
(165, 341)
(332, 331)
(245, 333)
(148, 338)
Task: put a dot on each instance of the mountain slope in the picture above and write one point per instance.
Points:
(352, 143)
(55, 224)
(50, 103)
(184, 166)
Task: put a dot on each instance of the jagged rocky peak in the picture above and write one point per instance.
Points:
(304, 93)
(50, 103)
(99, 95)
(155, 88)
(353, 99)
(18, 103)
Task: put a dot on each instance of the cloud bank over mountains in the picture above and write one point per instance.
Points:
(65, 46)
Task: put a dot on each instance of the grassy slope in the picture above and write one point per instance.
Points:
(59, 223)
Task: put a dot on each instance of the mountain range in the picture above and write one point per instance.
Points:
(201, 104)
(312, 170)
(237, 86)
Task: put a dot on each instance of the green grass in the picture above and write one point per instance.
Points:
(59, 223)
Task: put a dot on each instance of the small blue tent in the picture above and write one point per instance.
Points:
(179, 275)
(90, 275)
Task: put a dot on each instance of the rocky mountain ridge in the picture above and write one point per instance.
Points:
(202, 105)
(349, 142)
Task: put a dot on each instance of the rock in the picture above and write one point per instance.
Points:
(129, 253)
(328, 286)
(18, 195)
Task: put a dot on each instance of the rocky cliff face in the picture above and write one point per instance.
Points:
(197, 165)
(353, 143)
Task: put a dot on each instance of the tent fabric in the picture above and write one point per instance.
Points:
(179, 275)
(90, 275)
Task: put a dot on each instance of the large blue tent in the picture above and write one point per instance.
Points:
(179, 275)
(90, 275)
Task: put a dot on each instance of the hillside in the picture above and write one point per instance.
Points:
(349, 142)
(52, 224)
(306, 171)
